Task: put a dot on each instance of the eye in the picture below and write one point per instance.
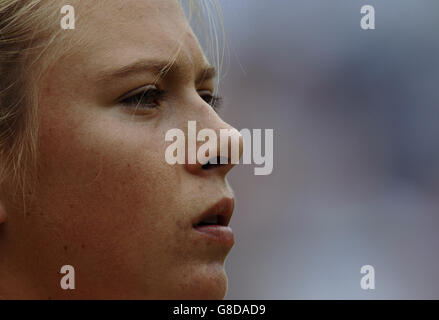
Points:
(214, 101)
(147, 97)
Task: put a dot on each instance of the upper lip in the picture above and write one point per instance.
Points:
(223, 209)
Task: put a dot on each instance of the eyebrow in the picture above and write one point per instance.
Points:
(159, 68)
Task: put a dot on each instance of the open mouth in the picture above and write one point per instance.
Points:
(215, 220)
(217, 215)
(213, 224)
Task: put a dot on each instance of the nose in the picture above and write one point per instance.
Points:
(217, 151)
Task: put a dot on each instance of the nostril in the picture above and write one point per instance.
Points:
(214, 163)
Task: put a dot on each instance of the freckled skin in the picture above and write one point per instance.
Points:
(106, 202)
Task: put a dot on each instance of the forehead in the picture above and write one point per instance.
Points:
(117, 32)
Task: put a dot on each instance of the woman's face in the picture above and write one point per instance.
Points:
(106, 201)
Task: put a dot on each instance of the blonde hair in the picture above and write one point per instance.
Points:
(22, 28)
(207, 22)
(27, 30)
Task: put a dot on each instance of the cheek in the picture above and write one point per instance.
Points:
(106, 183)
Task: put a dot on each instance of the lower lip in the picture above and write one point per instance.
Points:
(221, 234)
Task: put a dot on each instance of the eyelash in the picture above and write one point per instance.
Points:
(216, 102)
(146, 98)
(153, 96)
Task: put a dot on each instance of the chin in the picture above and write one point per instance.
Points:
(204, 283)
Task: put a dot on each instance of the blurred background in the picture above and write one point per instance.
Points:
(355, 115)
